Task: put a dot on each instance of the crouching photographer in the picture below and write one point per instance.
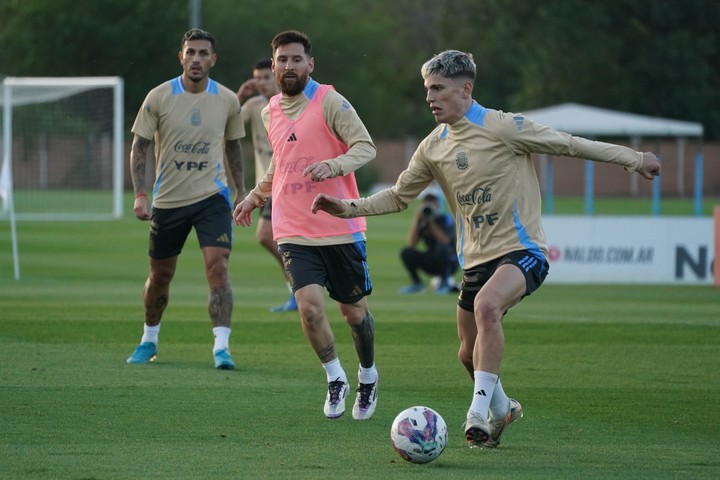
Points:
(436, 230)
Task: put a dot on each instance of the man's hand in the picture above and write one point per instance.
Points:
(319, 172)
(239, 197)
(246, 90)
(332, 205)
(141, 207)
(650, 167)
(243, 213)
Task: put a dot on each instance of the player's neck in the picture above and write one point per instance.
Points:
(194, 87)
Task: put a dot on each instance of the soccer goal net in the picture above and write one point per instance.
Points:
(63, 140)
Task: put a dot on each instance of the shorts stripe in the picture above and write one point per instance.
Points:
(528, 262)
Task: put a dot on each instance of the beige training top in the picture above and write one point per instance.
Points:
(483, 165)
(189, 130)
(251, 113)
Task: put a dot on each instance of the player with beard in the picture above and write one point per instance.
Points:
(318, 141)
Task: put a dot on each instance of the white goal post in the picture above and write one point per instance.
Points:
(63, 142)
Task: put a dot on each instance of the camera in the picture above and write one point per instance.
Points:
(428, 210)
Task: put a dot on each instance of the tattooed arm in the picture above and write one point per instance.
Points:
(233, 152)
(138, 159)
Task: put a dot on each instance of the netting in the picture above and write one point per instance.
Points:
(63, 137)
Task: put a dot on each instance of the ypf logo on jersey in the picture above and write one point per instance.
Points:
(461, 160)
(195, 117)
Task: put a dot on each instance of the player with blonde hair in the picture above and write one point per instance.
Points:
(482, 160)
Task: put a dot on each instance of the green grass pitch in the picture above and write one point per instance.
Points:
(616, 381)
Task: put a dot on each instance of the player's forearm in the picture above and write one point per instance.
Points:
(263, 189)
(381, 203)
(138, 160)
(233, 153)
(606, 152)
(359, 154)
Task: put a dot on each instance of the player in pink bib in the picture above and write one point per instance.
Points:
(318, 140)
(293, 191)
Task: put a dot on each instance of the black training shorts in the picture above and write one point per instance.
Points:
(170, 227)
(342, 269)
(535, 270)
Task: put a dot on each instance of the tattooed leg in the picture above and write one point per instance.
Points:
(364, 337)
(157, 289)
(220, 306)
(326, 354)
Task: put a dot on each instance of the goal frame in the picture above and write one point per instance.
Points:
(83, 84)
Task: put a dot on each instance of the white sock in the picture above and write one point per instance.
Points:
(150, 334)
(289, 287)
(334, 371)
(367, 375)
(483, 391)
(499, 402)
(222, 338)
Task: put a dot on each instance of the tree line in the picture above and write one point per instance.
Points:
(651, 57)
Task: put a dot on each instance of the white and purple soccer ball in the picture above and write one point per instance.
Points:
(419, 434)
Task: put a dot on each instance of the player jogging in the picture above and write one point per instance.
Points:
(318, 140)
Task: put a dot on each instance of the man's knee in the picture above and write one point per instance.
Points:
(311, 312)
(161, 272)
(355, 313)
(487, 309)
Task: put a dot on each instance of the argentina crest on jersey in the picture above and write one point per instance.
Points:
(461, 160)
(195, 118)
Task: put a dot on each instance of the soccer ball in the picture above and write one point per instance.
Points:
(419, 434)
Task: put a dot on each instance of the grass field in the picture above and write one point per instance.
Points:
(616, 381)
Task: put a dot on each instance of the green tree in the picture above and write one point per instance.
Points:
(659, 57)
(127, 38)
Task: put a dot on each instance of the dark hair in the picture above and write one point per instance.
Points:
(197, 34)
(291, 36)
(431, 197)
(263, 64)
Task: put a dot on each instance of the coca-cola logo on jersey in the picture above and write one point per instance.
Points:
(477, 196)
(197, 148)
(297, 165)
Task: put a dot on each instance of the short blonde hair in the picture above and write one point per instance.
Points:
(450, 64)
